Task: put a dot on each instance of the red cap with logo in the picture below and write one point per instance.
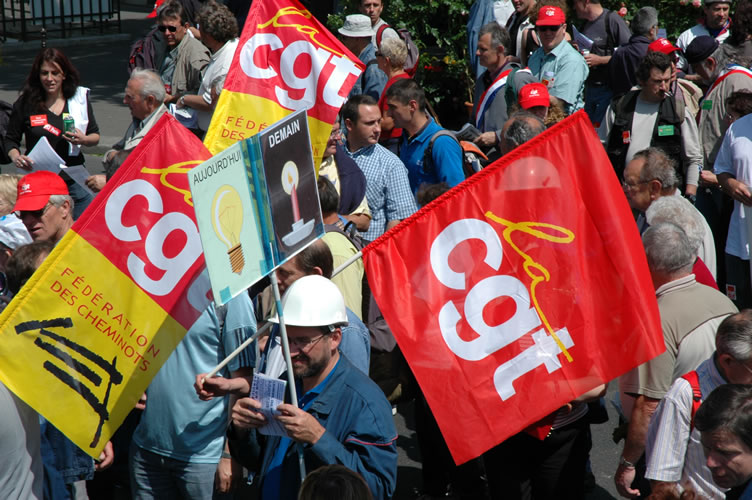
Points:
(550, 16)
(662, 45)
(534, 94)
(35, 189)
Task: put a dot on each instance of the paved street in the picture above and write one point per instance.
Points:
(103, 69)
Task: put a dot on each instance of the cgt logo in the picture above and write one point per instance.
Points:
(528, 316)
(297, 63)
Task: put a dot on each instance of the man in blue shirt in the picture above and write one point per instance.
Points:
(406, 105)
(342, 417)
(556, 63)
(387, 187)
(179, 445)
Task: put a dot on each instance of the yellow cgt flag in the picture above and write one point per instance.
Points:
(91, 328)
(286, 61)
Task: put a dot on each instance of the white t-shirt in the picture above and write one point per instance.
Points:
(214, 76)
(735, 158)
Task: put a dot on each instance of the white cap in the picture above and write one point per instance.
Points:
(357, 25)
(13, 233)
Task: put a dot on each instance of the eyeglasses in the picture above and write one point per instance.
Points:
(628, 185)
(37, 214)
(549, 28)
(305, 343)
(164, 27)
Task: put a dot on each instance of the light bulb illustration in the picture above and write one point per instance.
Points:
(300, 228)
(227, 221)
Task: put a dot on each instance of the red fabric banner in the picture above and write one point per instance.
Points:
(519, 290)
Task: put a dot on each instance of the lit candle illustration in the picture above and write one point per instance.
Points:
(300, 228)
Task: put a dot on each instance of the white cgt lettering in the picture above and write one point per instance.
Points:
(174, 268)
(491, 338)
(343, 67)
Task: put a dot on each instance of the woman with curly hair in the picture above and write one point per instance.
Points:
(219, 32)
(50, 92)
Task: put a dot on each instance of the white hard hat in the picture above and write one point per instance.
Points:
(313, 301)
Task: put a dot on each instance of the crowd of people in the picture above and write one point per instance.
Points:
(675, 120)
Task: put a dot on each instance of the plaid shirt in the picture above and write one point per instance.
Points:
(387, 188)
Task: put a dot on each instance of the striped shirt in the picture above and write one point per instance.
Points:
(673, 453)
(387, 187)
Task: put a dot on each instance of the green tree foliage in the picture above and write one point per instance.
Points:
(673, 15)
(438, 27)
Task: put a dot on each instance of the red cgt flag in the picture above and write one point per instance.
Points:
(519, 290)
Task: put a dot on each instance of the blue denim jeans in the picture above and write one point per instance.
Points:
(597, 99)
(155, 476)
(64, 462)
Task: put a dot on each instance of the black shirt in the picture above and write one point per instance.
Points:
(46, 124)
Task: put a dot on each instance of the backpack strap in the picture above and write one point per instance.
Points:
(427, 154)
(694, 381)
(610, 42)
(380, 34)
(510, 88)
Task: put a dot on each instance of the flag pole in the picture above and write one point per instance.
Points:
(347, 263)
(267, 326)
(288, 361)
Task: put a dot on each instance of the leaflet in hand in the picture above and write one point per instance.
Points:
(44, 157)
(583, 42)
(270, 392)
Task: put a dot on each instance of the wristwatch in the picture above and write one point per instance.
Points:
(626, 463)
(182, 100)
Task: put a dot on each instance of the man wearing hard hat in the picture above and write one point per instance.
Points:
(342, 416)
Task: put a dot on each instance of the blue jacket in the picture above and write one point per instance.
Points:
(372, 80)
(360, 434)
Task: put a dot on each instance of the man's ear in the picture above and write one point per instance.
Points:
(66, 208)
(655, 187)
(349, 125)
(336, 337)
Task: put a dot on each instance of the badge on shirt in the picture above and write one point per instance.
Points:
(38, 120)
(731, 291)
(626, 137)
(707, 104)
(665, 130)
(52, 130)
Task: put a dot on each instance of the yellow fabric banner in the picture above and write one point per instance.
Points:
(86, 334)
(286, 61)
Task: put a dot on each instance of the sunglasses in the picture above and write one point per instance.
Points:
(37, 214)
(548, 28)
(164, 28)
(379, 54)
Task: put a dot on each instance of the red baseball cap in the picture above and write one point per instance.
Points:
(35, 189)
(662, 45)
(534, 94)
(550, 16)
